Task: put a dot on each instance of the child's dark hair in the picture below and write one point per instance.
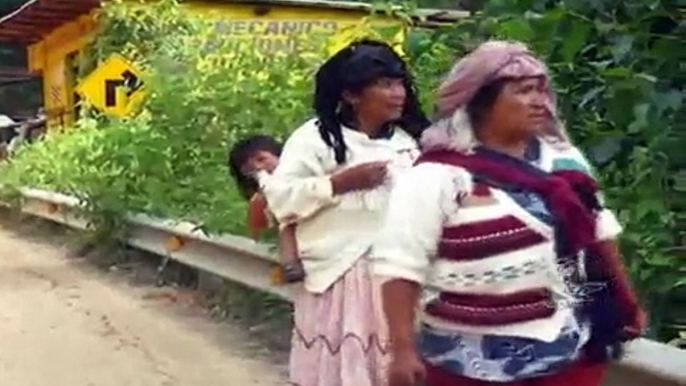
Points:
(352, 69)
(241, 153)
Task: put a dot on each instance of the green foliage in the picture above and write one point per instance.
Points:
(169, 160)
(615, 65)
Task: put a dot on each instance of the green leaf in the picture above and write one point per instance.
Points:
(574, 42)
(671, 99)
(659, 260)
(640, 118)
(622, 46)
(647, 77)
(517, 29)
(590, 95)
(617, 72)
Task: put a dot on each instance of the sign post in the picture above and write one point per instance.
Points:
(114, 88)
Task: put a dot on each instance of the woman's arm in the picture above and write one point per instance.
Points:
(405, 244)
(288, 245)
(408, 239)
(400, 300)
(302, 183)
(613, 265)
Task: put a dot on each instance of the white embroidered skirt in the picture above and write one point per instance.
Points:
(340, 336)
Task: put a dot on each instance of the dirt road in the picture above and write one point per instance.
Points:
(63, 322)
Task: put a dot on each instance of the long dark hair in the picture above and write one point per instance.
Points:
(352, 69)
(241, 153)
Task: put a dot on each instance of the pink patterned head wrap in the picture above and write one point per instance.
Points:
(491, 61)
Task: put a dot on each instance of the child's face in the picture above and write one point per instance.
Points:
(261, 160)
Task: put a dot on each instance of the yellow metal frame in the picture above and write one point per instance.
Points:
(48, 57)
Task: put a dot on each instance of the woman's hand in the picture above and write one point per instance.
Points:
(359, 177)
(406, 369)
(293, 272)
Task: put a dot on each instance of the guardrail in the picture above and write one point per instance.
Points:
(242, 260)
(232, 257)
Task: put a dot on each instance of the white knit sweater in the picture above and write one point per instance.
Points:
(425, 200)
(333, 232)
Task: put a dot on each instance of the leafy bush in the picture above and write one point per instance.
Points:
(204, 92)
(169, 160)
(615, 65)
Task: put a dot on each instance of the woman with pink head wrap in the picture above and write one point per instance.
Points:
(502, 227)
(490, 64)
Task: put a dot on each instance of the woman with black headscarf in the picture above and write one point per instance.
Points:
(333, 180)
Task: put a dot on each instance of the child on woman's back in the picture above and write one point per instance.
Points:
(250, 160)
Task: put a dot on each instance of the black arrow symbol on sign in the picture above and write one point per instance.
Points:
(128, 80)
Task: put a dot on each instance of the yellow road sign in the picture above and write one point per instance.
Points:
(115, 87)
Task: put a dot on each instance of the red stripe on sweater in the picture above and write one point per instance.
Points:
(496, 300)
(490, 316)
(482, 228)
(488, 245)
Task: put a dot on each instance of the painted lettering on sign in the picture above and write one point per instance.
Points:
(275, 35)
(275, 27)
